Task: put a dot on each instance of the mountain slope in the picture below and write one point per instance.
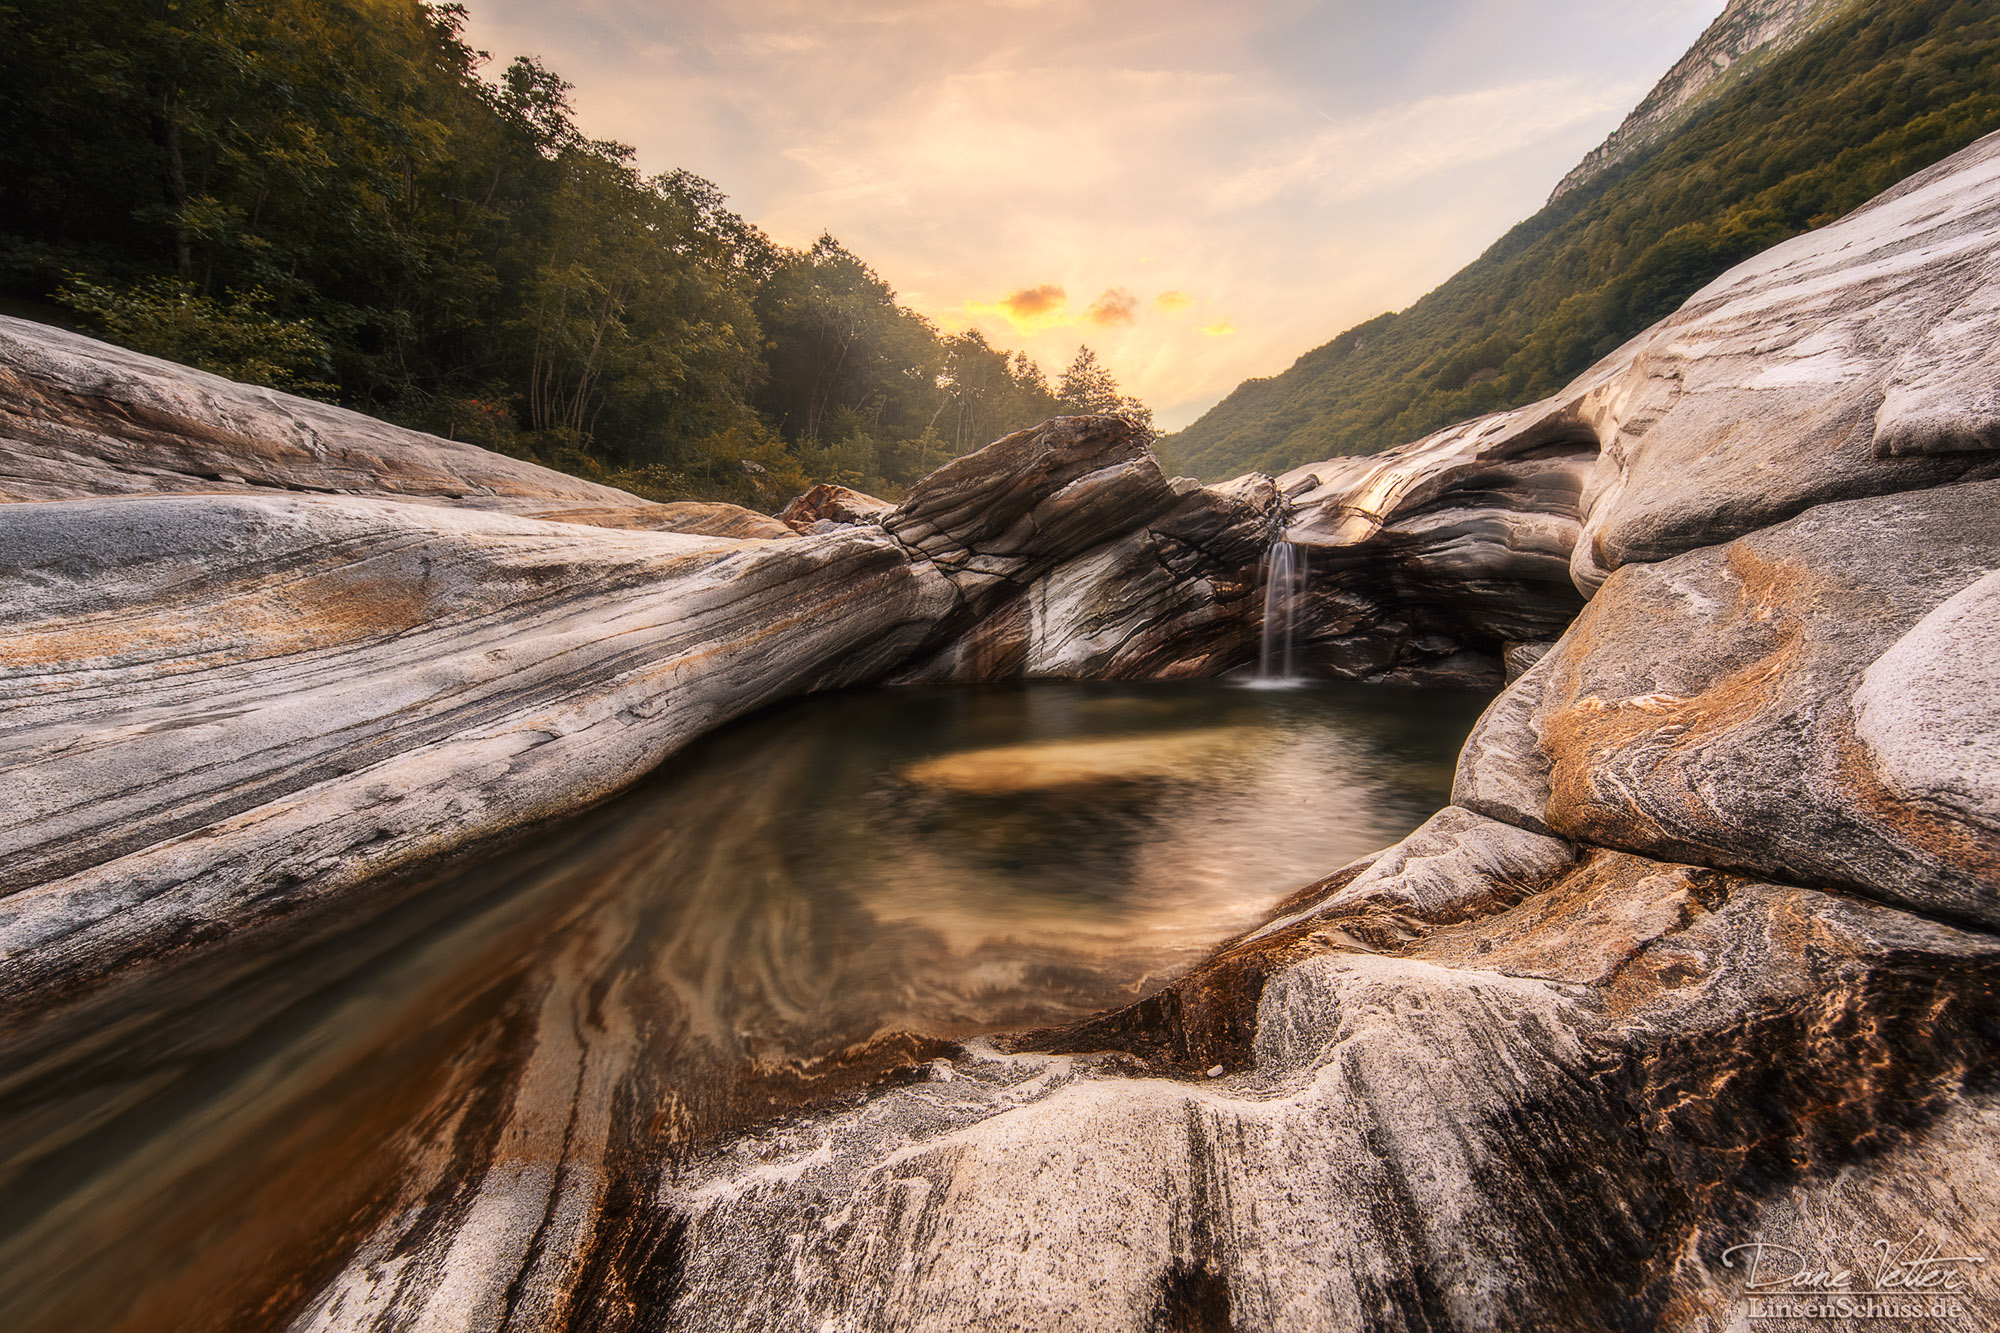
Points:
(1877, 92)
(1745, 35)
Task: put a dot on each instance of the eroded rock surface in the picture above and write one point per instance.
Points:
(1852, 361)
(1705, 708)
(1556, 1114)
(1703, 955)
(832, 505)
(1180, 596)
(224, 708)
(1704, 951)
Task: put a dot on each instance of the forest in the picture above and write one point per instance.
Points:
(1885, 89)
(342, 198)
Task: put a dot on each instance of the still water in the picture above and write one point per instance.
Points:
(830, 885)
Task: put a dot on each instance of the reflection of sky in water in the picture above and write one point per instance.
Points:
(933, 861)
(1010, 856)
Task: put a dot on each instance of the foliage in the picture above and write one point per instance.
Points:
(236, 336)
(330, 193)
(1086, 388)
(1882, 91)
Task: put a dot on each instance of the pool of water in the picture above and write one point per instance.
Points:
(834, 885)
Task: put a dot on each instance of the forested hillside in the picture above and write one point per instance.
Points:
(339, 197)
(1884, 90)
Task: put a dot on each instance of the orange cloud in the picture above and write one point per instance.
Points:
(1169, 302)
(1032, 302)
(1114, 306)
(1029, 310)
(1222, 328)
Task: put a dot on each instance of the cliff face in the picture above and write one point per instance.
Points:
(1744, 35)
(1702, 953)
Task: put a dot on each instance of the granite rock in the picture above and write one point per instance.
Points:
(1793, 704)
(1852, 361)
(1181, 596)
(834, 505)
(996, 520)
(1561, 1112)
(222, 709)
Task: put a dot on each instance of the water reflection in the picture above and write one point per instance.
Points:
(785, 910)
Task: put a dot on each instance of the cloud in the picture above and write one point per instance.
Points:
(1029, 309)
(1032, 301)
(1425, 138)
(1114, 307)
(1303, 163)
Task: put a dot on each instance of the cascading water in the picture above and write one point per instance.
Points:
(1284, 589)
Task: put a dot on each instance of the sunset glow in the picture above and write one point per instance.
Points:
(1143, 178)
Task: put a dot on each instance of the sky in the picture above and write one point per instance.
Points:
(1200, 190)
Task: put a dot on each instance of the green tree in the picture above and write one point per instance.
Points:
(1087, 387)
(332, 193)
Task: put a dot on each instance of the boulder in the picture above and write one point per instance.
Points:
(1180, 596)
(996, 520)
(1811, 703)
(833, 505)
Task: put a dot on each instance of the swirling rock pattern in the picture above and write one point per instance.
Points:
(1853, 361)
(1703, 953)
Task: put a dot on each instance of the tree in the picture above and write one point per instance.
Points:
(331, 194)
(1087, 388)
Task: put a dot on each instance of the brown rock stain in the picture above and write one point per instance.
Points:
(1667, 728)
(1956, 843)
(329, 609)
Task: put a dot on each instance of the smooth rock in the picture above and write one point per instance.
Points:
(1545, 1116)
(1704, 709)
(221, 709)
(1426, 561)
(1181, 597)
(81, 417)
(1503, 772)
(1929, 710)
(1760, 397)
(997, 519)
(1850, 361)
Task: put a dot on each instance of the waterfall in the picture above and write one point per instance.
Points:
(1284, 590)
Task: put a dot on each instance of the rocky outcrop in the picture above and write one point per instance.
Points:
(1702, 955)
(1849, 362)
(223, 710)
(1179, 595)
(832, 505)
(1556, 1112)
(1701, 958)
(227, 711)
(1746, 34)
(1738, 707)
(1429, 563)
